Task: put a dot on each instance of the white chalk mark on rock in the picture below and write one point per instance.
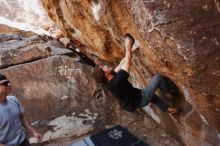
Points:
(67, 126)
(204, 120)
(151, 113)
(64, 97)
(95, 10)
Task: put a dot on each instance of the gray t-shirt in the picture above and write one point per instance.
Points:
(11, 131)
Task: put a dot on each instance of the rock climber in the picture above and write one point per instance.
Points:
(130, 98)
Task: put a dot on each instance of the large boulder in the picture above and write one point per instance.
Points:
(61, 97)
(18, 50)
(56, 89)
(179, 39)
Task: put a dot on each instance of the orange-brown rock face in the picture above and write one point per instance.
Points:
(179, 39)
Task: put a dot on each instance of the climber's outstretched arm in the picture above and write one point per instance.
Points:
(125, 62)
(119, 66)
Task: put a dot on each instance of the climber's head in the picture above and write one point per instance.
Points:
(102, 73)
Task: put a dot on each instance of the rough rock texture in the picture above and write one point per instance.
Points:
(179, 39)
(23, 11)
(4, 29)
(60, 97)
(28, 15)
(16, 50)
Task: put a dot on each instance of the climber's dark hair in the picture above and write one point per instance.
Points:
(99, 75)
(128, 35)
